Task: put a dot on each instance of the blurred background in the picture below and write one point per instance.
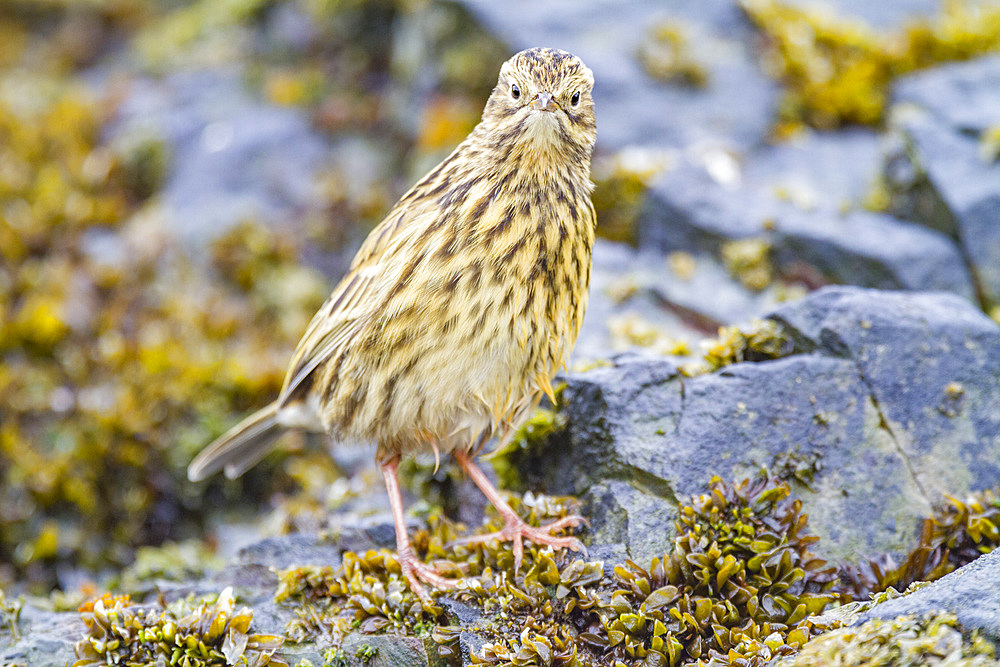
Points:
(183, 182)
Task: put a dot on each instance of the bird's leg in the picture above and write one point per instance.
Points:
(413, 568)
(515, 528)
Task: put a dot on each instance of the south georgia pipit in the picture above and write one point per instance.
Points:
(460, 306)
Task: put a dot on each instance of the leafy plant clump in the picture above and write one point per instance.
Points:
(906, 641)
(740, 583)
(760, 341)
(957, 534)
(212, 634)
(838, 71)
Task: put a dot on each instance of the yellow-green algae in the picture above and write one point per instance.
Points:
(740, 587)
(666, 55)
(959, 532)
(749, 261)
(213, 633)
(839, 70)
(759, 341)
(108, 371)
(741, 581)
(906, 641)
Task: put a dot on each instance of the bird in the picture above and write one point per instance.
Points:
(458, 309)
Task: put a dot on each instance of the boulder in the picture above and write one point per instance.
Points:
(970, 592)
(884, 402)
(944, 175)
(688, 209)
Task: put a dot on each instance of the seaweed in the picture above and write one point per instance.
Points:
(214, 633)
(838, 71)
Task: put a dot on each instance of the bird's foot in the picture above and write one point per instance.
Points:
(517, 529)
(417, 571)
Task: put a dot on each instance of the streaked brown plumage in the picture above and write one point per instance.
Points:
(462, 303)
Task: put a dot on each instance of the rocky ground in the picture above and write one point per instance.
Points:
(856, 271)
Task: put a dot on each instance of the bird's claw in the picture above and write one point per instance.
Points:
(416, 571)
(516, 530)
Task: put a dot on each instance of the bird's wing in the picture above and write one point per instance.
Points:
(357, 298)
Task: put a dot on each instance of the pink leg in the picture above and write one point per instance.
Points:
(413, 569)
(515, 528)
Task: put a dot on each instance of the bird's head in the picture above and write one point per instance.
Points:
(543, 101)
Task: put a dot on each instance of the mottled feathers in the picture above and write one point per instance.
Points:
(466, 299)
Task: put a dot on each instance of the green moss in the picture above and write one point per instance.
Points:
(666, 55)
(213, 633)
(741, 577)
(749, 261)
(618, 197)
(762, 340)
(989, 144)
(741, 585)
(171, 561)
(958, 533)
(110, 376)
(934, 639)
(10, 615)
(838, 71)
(522, 449)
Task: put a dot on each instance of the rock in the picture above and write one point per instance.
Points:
(942, 115)
(45, 639)
(620, 512)
(689, 210)
(886, 401)
(384, 651)
(970, 592)
(231, 157)
(638, 301)
(963, 96)
(931, 365)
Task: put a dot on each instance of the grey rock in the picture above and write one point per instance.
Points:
(963, 96)
(619, 512)
(954, 188)
(863, 404)
(232, 157)
(45, 639)
(930, 364)
(734, 110)
(970, 592)
(290, 551)
(385, 651)
(688, 210)
(629, 283)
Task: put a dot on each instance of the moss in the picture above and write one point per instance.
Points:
(521, 451)
(762, 340)
(838, 71)
(741, 578)
(630, 330)
(10, 615)
(107, 370)
(749, 261)
(989, 144)
(213, 633)
(666, 55)
(933, 639)
(958, 533)
(171, 561)
(741, 585)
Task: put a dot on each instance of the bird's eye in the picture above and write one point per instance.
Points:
(515, 92)
(575, 99)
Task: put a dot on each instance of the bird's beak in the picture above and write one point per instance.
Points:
(545, 102)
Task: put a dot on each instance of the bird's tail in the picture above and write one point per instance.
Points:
(239, 448)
